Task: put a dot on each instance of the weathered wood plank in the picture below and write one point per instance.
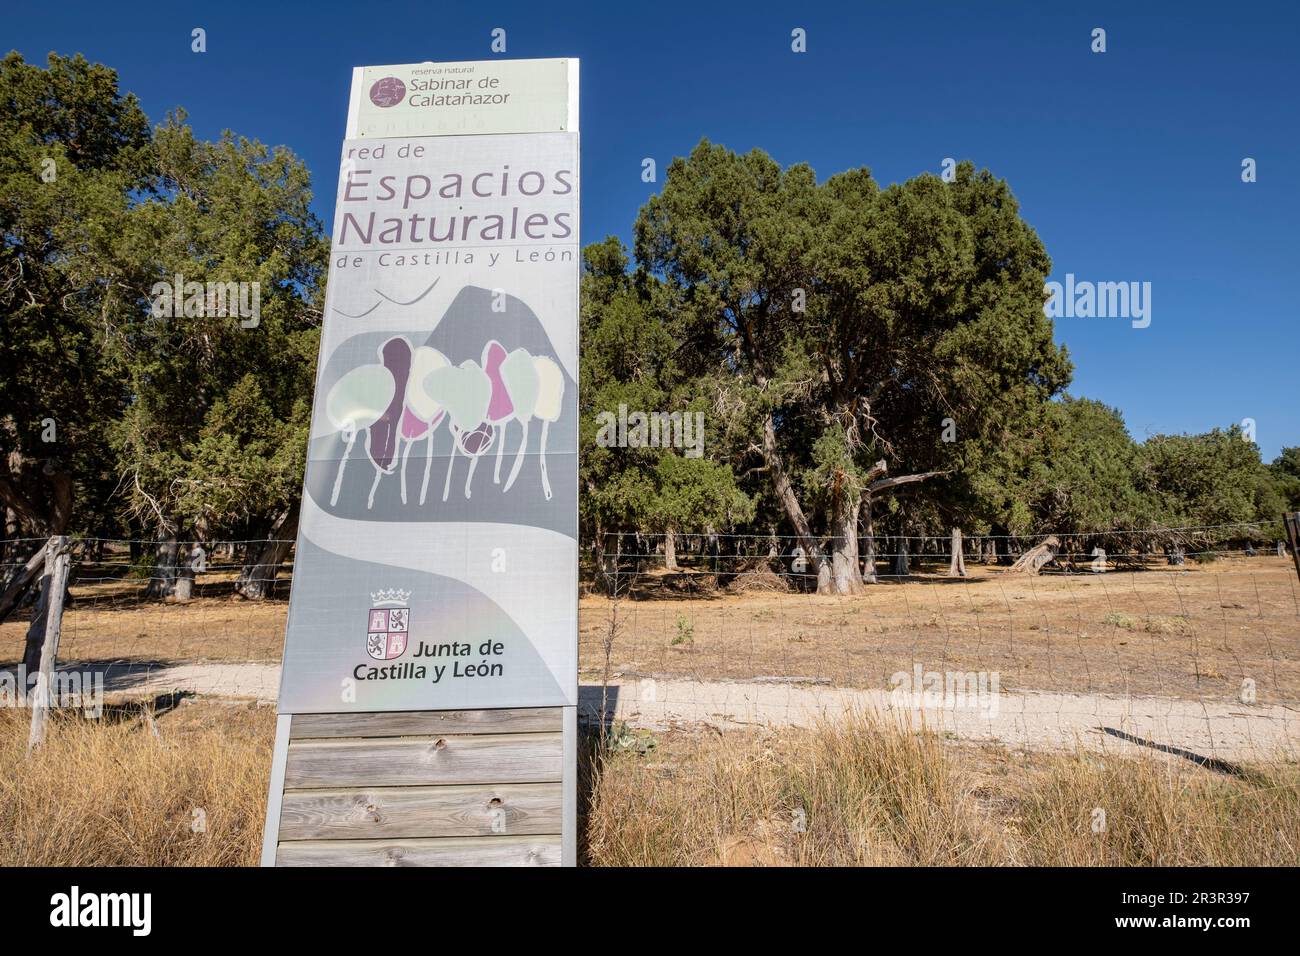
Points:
(476, 851)
(378, 812)
(409, 723)
(412, 761)
(59, 563)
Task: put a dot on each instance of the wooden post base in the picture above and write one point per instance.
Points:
(424, 788)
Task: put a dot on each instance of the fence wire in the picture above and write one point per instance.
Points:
(1195, 649)
(1184, 640)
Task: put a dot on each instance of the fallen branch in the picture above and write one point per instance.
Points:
(1034, 560)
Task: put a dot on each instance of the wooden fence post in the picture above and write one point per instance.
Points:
(58, 564)
(957, 566)
(1292, 522)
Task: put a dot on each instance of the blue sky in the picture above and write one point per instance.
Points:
(1128, 163)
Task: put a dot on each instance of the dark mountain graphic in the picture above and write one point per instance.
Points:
(468, 324)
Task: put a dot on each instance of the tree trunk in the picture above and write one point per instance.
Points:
(957, 568)
(17, 584)
(845, 574)
(162, 583)
(869, 575)
(902, 563)
(790, 503)
(183, 586)
(1037, 557)
(260, 570)
(670, 549)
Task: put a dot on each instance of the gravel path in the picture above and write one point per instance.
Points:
(1031, 720)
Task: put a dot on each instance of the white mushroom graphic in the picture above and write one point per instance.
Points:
(549, 405)
(357, 401)
(464, 392)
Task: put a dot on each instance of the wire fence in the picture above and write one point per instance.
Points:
(1137, 647)
(142, 620)
(1187, 639)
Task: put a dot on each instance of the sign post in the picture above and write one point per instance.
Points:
(429, 689)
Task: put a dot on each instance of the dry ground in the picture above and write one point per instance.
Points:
(111, 620)
(1195, 633)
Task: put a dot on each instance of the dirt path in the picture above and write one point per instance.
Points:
(1031, 720)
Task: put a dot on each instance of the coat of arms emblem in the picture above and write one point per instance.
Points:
(390, 620)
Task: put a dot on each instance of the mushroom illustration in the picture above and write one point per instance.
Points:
(537, 385)
(550, 403)
(422, 414)
(405, 397)
(464, 392)
(514, 392)
(385, 432)
(355, 402)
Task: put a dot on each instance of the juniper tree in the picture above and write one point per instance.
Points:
(631, 358)
(72, 151)
(848, 322)
(213, 440)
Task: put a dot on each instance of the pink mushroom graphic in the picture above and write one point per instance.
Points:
(514, 387)
(535, 387)
(423, 413)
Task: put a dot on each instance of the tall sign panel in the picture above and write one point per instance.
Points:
(431, 647)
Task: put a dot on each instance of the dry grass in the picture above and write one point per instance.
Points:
(867, 793)
(1158, 813)
(112, 793)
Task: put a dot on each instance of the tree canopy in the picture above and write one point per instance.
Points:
(864, 360)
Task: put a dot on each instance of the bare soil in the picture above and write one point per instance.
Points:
(1198, 632)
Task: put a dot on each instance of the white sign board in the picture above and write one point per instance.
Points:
(437, 557)
(430, 664)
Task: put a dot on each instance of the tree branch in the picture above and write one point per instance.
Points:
(885, 484)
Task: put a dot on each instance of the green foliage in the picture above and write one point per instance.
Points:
(186, 424)
(820, 327)
(72, 151)
(1085, 480)
(1285, 475)
(215, 434)
(630, 358)
(1207, 479)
